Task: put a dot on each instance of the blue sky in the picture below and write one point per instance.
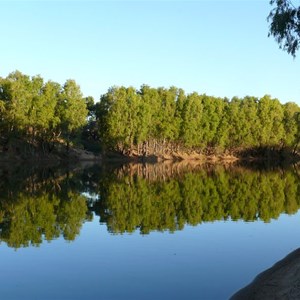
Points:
(220, 48)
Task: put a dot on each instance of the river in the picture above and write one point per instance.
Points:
(162, 231)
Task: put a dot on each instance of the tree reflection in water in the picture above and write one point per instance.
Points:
(47, 203)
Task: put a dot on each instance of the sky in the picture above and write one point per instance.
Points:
(219, 48)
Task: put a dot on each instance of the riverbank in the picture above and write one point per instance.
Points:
(269, 156)
(60, 153)
(281, 281)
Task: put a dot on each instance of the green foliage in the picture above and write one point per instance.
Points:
(157, 120)
(119, 110)
(144, 122)
(291, 112)
(39, 112)
(71, 107)
(168, 126)
(271, 119)
(191, 114)
(284, 21)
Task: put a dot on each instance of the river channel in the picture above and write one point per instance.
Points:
(143, 231)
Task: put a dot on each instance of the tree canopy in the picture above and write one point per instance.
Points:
(39, 116)
(39, 112)
(152, 121)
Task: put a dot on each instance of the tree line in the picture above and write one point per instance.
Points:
(39, 112)
(159, 120)
(143, 122)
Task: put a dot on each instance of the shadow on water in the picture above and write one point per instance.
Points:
(40, 203)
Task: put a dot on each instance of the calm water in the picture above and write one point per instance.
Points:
(152, 232)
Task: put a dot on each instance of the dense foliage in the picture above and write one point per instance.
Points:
(158, 120)
(38, 116)
(39, 112)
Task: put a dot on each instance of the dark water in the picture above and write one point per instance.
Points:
(142, 232)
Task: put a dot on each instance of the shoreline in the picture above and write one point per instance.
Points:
(289, 158)
(76, 154)
(281, 281)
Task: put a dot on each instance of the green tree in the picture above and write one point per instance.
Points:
(71, 110)
(42, 118)
(168, 123)
(291, 111)
(119, 117)
(213, 110)
(191, 120)
(16, 96)
(243, 125)
(270, 114)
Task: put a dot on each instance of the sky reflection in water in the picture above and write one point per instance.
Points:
(210, 260)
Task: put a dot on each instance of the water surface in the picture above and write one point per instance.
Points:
(142, 232)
